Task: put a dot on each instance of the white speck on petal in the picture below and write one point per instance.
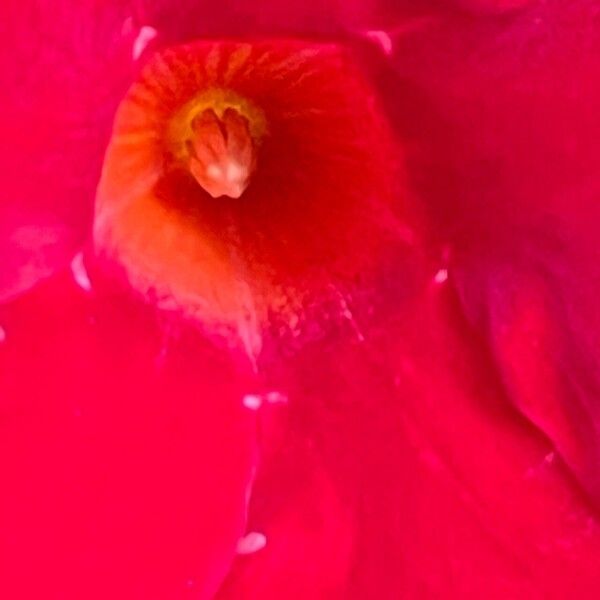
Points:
(252, 401)
(549, 458)
(2, 334)
(347, 314)
(276, 398)
(252, 542)
(382, 38)
(256, 401)
(144, 37)
(80, 274)
(441, 276)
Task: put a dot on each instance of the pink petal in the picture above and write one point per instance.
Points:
(63, 68)
(130, 456)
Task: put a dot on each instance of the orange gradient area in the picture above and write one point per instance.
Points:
(242, 179)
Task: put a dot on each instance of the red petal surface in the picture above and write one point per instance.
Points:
(515, 201)
(63, 67)
(127, 453)
(441, 457)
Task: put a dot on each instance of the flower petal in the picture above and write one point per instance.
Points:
(505, 157)
(130, 453)
(62, 69)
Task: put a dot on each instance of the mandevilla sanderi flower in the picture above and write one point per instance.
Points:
(299, 299)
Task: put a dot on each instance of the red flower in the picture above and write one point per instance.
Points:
(341, 264)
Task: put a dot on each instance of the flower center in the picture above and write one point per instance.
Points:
(222, 152)
(215, 136)
(294, 129)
